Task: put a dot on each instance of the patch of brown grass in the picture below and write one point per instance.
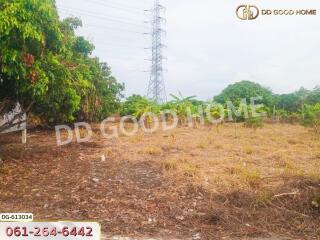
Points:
(152, 150)
(202, 145)
(218, 146)
(181, 166)
(248, 150)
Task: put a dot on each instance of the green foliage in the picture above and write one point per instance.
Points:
(314, 96)
(183, 105)
(43, 62)
(288, 117)
(254, 122)
(255, 117)
(29, 38)
(245, 90)
(137, 105)
(294, 102)
(288, 102)
(311, 117)
(214, 111)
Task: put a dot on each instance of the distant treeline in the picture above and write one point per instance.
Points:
(302, 106)
(291, 102)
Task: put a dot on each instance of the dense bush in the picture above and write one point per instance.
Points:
(311, 117)
(137, 105)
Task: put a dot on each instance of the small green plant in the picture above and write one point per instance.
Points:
(248, 150)
(311, 117)
(255, 118)
(252, 177)
(262, 199)
(254, 122)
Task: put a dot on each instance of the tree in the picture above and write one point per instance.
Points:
(312, 117)
(183, 106)
(31, 44)
(137, 105)
(245, 90)
(314, 96)
(43, 64)
(294, 102)
(288, 102)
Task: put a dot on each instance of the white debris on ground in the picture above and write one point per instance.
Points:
(196, 236)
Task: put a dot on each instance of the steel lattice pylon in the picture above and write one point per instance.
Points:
(156, 88)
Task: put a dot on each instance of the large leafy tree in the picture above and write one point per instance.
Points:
(245, 89)
(43, 64)
(31, 70)
(30, 41)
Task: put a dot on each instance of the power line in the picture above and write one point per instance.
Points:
(119, 7)
(94, 15)
(126, 52)
(123, 51)
(132, 46)
(112, 28)
(156, 88)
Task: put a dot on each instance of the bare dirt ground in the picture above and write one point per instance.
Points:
(206, 183)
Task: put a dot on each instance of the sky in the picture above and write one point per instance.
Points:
(208, 47)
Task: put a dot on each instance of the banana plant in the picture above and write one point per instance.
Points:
(144, 108)
(183, 106)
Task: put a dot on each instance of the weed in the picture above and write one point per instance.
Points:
(233, 170)
(152, 151)
(202, 145)
(181, 165)
(252, 177)
(213, 163)
(289, 166)
(254, 122)
(170, 164)
(218, 146)
(190, 169)
(262, 199)
(248, 150)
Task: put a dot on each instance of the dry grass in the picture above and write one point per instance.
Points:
(260, 164)
(248, 150)
(263, 181)
(152, 150)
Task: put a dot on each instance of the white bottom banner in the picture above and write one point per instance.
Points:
(50, 230)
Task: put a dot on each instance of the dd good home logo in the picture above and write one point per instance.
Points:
(247, 12)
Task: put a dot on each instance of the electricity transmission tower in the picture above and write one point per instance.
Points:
(156, 88)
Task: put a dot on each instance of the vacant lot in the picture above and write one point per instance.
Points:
(224, 182)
